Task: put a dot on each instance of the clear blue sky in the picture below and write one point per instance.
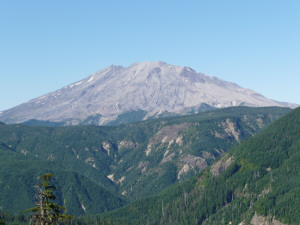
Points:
(45, 45)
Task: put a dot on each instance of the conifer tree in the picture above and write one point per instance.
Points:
(46, 212)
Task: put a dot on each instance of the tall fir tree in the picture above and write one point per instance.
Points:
(46, 212)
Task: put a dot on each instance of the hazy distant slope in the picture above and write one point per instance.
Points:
(152, 88)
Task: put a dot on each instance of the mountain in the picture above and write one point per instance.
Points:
(256, 182)
(138, 92)
(100, 168)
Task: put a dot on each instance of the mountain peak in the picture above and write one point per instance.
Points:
(149, 64)
(153, 87)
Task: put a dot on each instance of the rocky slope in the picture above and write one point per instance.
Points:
(146, 89)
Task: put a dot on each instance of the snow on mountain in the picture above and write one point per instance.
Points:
(150, 86)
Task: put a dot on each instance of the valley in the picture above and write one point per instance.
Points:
(119, 164)
(256, 182)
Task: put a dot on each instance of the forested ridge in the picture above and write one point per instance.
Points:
(262, 179)
(260, 174)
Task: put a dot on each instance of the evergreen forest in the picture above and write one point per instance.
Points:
(229, 166)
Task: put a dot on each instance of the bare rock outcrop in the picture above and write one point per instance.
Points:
(261, 220)
(218, 167)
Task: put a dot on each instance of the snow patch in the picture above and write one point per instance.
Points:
(76, 84)
(55, 95)
(44, 96)
(91, 79)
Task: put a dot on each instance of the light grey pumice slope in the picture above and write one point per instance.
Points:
(151, 86)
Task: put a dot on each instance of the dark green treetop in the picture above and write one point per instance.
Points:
(46, 212)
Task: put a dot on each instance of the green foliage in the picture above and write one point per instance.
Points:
(75, 189)
(263, 178)
(47, 212)
(81, 160)
(8, 219)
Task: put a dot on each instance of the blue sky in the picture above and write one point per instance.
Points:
(45, 45)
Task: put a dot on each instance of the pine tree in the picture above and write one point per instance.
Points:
(46, 212)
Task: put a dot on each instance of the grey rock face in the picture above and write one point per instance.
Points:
(153, 87)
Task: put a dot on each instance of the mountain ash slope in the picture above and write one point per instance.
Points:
(147, 89)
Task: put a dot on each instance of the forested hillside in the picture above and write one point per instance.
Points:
(78, 193)
(132, 161)
(256, 182)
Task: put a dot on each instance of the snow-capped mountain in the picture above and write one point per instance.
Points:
(154, 87)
